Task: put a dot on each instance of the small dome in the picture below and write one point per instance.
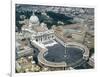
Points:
(43, 24)
(34, 19)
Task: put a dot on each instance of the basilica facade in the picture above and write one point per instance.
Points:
(37, 31)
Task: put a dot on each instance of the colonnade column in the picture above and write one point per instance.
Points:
(45, 38)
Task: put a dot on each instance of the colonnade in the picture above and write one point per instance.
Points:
(43, 38)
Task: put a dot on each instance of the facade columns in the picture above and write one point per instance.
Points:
(44, 38)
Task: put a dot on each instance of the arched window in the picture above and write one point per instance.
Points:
(48, 37)
(52, 36)
(41, 39)
(36, 39)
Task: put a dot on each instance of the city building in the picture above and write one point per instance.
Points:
(58, 48)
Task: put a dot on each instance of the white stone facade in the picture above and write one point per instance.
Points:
(41, 36)
(44, 36)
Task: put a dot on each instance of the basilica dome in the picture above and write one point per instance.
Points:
(34, 19)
